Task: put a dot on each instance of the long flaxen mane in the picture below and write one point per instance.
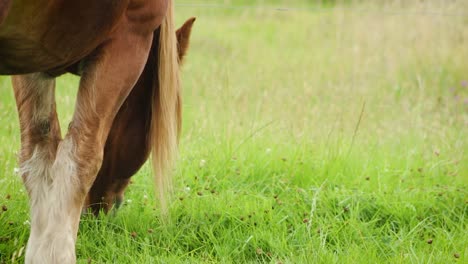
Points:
(166, 109)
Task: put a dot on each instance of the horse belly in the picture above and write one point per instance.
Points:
(39, 35)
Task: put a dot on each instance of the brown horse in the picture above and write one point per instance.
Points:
(128, 102)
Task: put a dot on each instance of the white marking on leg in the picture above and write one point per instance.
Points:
(52, 187)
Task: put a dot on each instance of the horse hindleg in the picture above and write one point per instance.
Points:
(40, 135)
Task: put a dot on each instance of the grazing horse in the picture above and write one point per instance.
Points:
(128, 104)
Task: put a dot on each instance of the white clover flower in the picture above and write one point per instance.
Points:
(202, 163)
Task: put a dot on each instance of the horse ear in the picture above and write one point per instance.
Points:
(183, 37)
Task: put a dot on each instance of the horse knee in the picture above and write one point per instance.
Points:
(35, 168)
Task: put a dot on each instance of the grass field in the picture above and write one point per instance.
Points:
(329, 134)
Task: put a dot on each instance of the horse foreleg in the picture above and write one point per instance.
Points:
(127, 147)
(40, 136)
(105, 84)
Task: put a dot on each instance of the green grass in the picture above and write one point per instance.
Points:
(333, 136)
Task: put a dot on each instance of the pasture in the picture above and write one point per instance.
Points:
(331, 133)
